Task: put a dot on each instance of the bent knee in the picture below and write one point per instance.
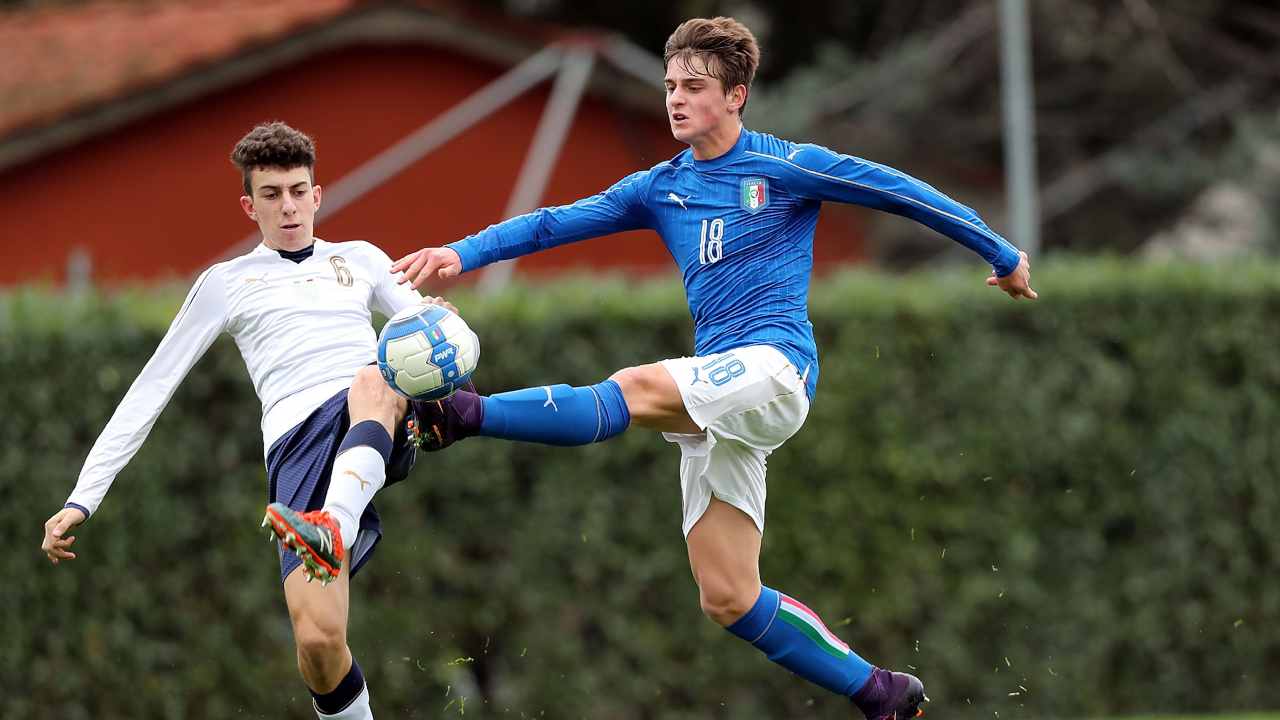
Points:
(724, 603)
(634, 381)
(652, 396)
(369, 382)
(370, 389)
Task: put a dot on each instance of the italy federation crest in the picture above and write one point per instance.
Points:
(755, 194)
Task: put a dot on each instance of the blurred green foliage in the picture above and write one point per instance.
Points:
(1058, 509)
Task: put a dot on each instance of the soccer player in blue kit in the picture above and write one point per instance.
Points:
(737, 211)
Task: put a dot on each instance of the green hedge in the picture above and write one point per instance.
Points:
(1059, 509)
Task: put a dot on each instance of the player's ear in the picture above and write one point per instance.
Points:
(315, 190)
(737, 97)
(246, 204)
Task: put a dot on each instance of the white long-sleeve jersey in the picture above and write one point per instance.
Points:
(304, 330)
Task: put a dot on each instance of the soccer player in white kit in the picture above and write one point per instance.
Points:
(299, 310)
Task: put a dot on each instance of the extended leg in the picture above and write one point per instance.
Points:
(360, 468)
(559, 414)
(323, 538)
(724, 551)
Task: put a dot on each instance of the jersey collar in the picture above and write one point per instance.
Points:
(317, 245)
(718, 162)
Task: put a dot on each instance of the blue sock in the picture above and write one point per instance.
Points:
(337, 700)
(793, 636)
(557, 414)
(371, 433)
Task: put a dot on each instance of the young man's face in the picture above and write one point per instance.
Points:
(697, 103)
(284, 204)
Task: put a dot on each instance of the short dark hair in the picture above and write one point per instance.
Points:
(724, 44)
(273, 145)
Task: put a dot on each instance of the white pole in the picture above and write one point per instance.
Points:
(1019, 125)
(440, 130)
(79, 271)
(544, 150)
(636, 61)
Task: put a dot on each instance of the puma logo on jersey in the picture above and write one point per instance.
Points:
(363, 483)
(792, 154)
(550, 402)
(678, 200)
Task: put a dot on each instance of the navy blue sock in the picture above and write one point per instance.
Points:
(339, 698)
(371, 433)
(793, 636)
(557, 414)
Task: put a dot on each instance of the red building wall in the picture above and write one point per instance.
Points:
(158, 198)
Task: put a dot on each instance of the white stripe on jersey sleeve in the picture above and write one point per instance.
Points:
(905, 199)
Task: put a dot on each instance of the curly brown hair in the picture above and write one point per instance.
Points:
(273, 145)
(726, 46)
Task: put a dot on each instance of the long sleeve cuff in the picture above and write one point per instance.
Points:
(1008, 261)
(467, 254)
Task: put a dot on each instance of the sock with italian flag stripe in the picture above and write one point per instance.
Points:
(793, 636)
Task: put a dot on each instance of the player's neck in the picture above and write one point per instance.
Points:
(717, 142)
(289, 247)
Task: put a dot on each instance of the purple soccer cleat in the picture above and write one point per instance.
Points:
(891, 696)
(437, 424)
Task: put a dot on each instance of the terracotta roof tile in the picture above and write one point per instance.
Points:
(58, 59)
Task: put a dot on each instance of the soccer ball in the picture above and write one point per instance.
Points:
(426, 352)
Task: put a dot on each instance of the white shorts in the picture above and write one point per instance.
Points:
(748, 401)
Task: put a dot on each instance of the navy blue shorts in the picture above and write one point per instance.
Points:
(300, 462)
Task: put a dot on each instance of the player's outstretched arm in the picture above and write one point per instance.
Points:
(417, 267)
(57, 543)
(1017, 283)
(813, 171)
(202, 317)
(617, 209)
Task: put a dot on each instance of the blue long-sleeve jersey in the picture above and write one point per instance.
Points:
(740, 227)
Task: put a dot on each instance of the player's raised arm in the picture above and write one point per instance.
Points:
(619, 208)
(815, 172)
(197, 324)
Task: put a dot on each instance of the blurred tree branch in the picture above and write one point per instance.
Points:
(1122, 88)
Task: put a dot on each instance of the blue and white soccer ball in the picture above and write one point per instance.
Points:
(426, 352)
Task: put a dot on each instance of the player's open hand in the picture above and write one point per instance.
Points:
(442, 303)
(417, 267)
(57, 543)
(1017, 283)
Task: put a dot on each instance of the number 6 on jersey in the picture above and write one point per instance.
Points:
(711, 246)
